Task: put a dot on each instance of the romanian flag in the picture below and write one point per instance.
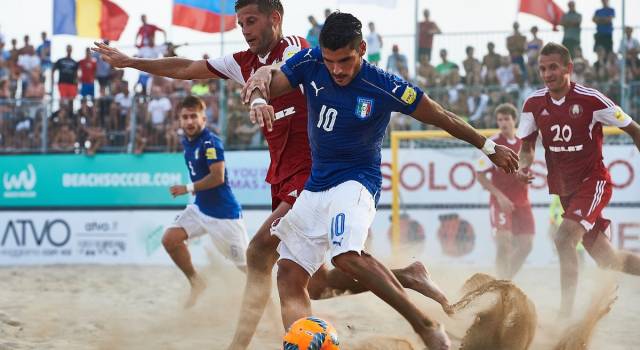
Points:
(204, 15)
(101, 19)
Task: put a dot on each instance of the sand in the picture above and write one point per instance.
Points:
(116, 307)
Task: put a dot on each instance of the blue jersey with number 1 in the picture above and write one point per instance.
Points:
(199, 154)
(346, 124)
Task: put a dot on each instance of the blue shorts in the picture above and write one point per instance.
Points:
(87, 89)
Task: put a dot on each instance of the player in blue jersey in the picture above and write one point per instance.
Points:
(349, 103)
(216, 211)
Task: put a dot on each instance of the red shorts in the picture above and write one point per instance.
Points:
(68, 91)
(519, 222)
(585, 206)
(288, 190)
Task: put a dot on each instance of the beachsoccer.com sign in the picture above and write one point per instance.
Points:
(118, 180)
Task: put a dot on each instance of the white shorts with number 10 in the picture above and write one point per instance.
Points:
(336, 220)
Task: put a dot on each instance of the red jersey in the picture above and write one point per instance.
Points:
(288, 141)
(88, 70)
(508, 184)
(147, 32)
(571, 130)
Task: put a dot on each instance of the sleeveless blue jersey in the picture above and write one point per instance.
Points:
(346, 124)
(218, 202)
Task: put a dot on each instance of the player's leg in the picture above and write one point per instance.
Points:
(569, 234)
(292, 288)
(175, 243)
(351, 213)
(327, 283)
(597, 243)
(261, 256)
(523, 229)
(503, 254)
(380, 281)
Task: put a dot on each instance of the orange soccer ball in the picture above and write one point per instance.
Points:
(311, 333)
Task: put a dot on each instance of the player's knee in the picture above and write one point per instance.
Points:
(291, 275)
(172, 238)
(261, 253)
(564, 241)
(348, 262)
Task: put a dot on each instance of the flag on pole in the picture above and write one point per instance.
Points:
(384, 3)
(545, 9)
(205, 15)
(100, 19)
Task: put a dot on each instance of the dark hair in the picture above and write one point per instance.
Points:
(553, 48)
(341, 30)
(507, 108)
(192, 102)
(264, 6)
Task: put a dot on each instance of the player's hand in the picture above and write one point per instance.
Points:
(506, 205)
(523, 175)
(263, 115)
(505, 159)
(261, 80)
(178, 190)
(111, 55)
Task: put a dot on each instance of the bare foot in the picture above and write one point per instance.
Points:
(198, 285)
(435, 338)
(417, 277)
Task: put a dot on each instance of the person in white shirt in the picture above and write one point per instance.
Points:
(158, 110)
(374, 45)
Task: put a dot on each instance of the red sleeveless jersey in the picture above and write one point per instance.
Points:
(288, 141)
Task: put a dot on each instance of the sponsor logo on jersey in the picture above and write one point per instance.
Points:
(293, 194)
(578, 212)
(409, 95)
(211, 153)
(575, 111)
(289, 52)
(315, 87)
(544, 112)
(285, 112)
(559, 149)
(364, 107)
(620, 115)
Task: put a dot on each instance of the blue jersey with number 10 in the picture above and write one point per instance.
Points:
(346, 124)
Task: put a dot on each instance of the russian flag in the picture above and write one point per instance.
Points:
(101, 19)
(204, 15)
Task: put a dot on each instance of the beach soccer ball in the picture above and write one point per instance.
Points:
(311, 333)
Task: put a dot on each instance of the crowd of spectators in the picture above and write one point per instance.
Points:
(99, 111)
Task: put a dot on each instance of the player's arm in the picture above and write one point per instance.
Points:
(526, 157)
(266, 83)
(171, 67)
(505, 203)
(633, 129)
(215, 178)
(430, 112)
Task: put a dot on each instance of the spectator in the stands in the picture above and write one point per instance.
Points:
(516, 43)
(146, 35)
(104, 73)
(396, 61)
(28, 62)
(628, 42)
(67, 69)
(533, 52)
(427, 29)
(88, 66)
(27, 46)
(508, 74)
(603, 18)
(472, 68)
(64, 139)
(158, 110)
(600, 71)
(581, 70)
(313, 34)
(571, 22)
(374, 45)
(124, 102)
(427, 75)
(44, 52)
(490, 64)
(445, 67)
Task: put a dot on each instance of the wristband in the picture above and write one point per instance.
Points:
(190, 187)
(258, 101)
(489, 147)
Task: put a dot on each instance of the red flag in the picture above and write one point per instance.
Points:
(114, 20)
(545, 9)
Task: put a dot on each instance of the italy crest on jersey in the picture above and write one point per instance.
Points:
(364, 107)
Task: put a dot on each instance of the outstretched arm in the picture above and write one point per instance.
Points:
(527, 154)
(430, 112)
(171, 67)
